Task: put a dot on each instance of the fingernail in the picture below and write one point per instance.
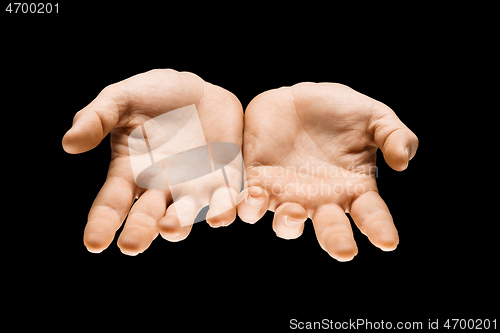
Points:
(407, 151)
(132, 254)
(252, 201)
(94, 251)
(292, 223)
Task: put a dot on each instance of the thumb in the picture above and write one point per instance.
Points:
(397, 142)
(95, 121)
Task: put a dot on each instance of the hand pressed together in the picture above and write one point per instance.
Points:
(309, 151)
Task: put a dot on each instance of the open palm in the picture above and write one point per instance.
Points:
(119, 109)
(310, 151)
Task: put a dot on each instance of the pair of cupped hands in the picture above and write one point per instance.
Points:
(327, 133)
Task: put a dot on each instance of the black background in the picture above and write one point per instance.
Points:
(241, 276)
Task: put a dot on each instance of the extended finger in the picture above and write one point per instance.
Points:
(334, 232)
(168, 88)
(107, 213)
(141, 226)
(96, 120)
(288, 222)
(253, 204)
(371, 215)
(178, 220)
(397, 142)
(222, 210)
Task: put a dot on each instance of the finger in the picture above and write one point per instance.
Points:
(398, 144)
(222, 210)
(96, 120)
(253, 204)
(334, 232)
(288, 222)
(170, 226)
(371, 215)
(141, 226)
(107, 213)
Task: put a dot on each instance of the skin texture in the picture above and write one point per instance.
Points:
(117, 110)
(309, 151)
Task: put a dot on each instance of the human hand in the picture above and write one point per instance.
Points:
(127, 105)
(309, 151)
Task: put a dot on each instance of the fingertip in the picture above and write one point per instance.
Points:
(175, 236)
(94, 250)
(384, 236)
(170, 229)
(388, 248)
(388, 244)
(95, 243)
(399, 148)
(85, 134)
(253, 203)
(342, 248)
(69, 144)
(168, 225)
(287, 228)
(132, 252)
(222, 210)
(223, 219)
(289, 219)
(397, 159)
(77, 141)
(132, 241)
